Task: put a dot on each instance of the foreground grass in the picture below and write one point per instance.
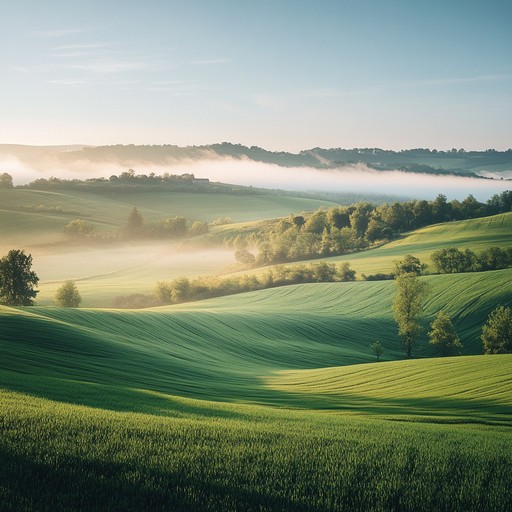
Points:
(57, 456)
(100, 409)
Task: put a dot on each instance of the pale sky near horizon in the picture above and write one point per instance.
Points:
(282, 74)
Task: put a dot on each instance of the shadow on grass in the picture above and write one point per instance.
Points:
(429, 409)
(113, 398)
(66, 483)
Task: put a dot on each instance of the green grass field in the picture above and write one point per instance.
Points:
(263, 401)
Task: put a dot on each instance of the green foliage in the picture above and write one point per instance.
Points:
(345, 273)
(244, 257)
(497, 332)
(407, 308)
(68, 296)
(221, 221)
(377, 349)
(6, 180)
(79, 229)
(135, 223)
(443, 336)
(450, 259)
(198, 228)
(17, 280)
(409, 265)
(184, 290)
(344, 230)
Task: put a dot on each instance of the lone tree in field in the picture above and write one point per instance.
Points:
(443, 336)
(497, 332)
(377, 349)
(407, 308)
(68, 296)
(17, 280)
(135, 222)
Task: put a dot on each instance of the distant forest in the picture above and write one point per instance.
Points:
(453, 161)
(420, 160)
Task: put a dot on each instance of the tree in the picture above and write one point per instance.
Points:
(409, 265)
(244, 257)
(68, 296)
(135, 222)
(377, 349)
(443, 336)
(79, 228)
(345, 273)
(198, 228)
(17, 280)
(497, 332)
(407, 308)
(6, 180)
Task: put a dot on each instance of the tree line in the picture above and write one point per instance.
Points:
(183, 289)
(345, 229)
(452, 260)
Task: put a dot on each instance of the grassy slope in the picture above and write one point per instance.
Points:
(474, 234)
(221, 348)
(104, 273)
(93, 413)
(57, 456)
(110, 211)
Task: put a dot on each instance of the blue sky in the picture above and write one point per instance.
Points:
(282, 74)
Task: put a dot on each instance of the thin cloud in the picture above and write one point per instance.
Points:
(75, 82)
(211, 62)
(83, 46)
(329, 92)
(62, 32)
(113, 66)
(459, 80)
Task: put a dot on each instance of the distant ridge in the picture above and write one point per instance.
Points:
(459, 162)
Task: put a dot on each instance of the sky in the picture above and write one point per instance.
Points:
(281, 74)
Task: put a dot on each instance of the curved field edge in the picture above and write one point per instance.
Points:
(222, 349)
(477, 388)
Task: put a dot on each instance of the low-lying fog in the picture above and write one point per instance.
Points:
(356, 178)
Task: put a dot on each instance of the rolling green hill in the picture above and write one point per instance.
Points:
(27, 212)
(223, 347)
(34, 220)
(268, 400)
(474, 234)
(130, 410)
